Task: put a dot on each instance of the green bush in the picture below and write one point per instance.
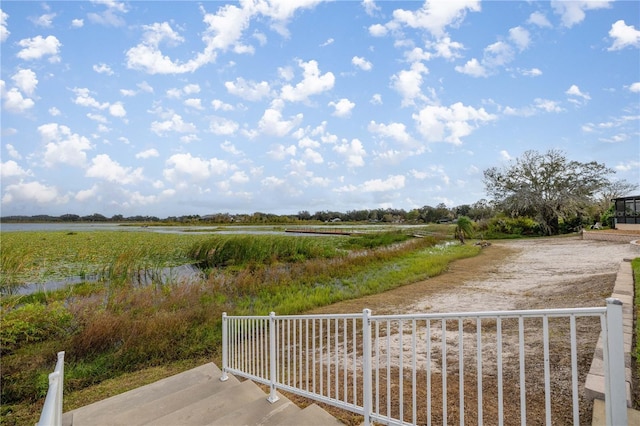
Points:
(33, 322)
(500, 226)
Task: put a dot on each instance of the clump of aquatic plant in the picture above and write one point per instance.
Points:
(374, 240)
(241, 250)
(14, 261)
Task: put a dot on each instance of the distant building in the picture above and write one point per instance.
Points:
(627, 213)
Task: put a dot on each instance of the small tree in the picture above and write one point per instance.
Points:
(546, 186)
(464, 229)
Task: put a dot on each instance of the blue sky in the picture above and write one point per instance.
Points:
(183, 107)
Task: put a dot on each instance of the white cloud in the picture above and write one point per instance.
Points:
(312, 83)
(103, 69)
(62, 146)
(14, 101)
(97, 117)
(103, 167)
(533, 72)
(191, 89)
(395, 131)
(37, 47)
(152, 152)
(520, 37)
(436, 15)
(409, 83)
(11, 169)
(327, 43)
(635, 87)
(377, 30)
(343, 107)
(227, 146)
(44, 21)
(194, 103)
(547, 105)
(539, 19)
(239, 177)
(180, 166)
(392, 183)
(145, 87)
(54, 112)
(175, 124)
(280, 152)
(446, 48)
(623, 35)
(84, 98)
(576, 93)
(26, 192)
(219, 105)
(505, 156)
(370, 7)
(13, 152)
(376, 99)
(272, 122)
(223, 126)
(353, 152)
(472, 68)
(249, 90)
(111, 17)
(4, 32)
(573, 12)
(77, 23)
(450, 124)
(117, 110)
(361, 63)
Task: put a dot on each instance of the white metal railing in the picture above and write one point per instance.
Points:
(440, 368)
(52, 411)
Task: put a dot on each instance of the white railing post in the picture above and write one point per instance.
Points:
(60, 370)
(367, 390)
(615, 382)
(273, 354)
(52, 411)
(225, 348)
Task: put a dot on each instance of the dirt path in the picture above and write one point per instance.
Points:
(525, 274)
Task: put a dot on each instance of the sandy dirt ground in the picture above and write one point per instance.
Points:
(543, 273)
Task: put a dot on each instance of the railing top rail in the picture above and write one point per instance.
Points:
(492, 314)
(592, 311)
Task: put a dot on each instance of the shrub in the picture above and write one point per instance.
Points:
(33, 322)
(502, 225)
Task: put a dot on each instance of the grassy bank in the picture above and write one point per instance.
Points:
(117, 337)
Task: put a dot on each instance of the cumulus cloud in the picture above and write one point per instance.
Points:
(353, 152)
(117, 110)
(4, 32)
(111, 16)
(520, 37)
(623, 35)
(473, 67)
(573, 12)
(11, 169)
(37, 47)
(148, 153)
(44, 21)
(450, 124)
(62, 146)
(635, 87)
(361, 63)
(539, 19)
(77, 23)
(103, 167)
(272, 122)
(408, 83)
(343, 107)
(395, 131)
(195, 169)
(435, 16)
(28, 192)
(577, 96)
(223, 126)
(249, 90)
(174, 124)
(312, 83)
(84, 98)
(103, 69)
(14, 101)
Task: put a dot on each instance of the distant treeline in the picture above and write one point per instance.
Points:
(426, 214)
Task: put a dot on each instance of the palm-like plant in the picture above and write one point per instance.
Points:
(464, 229)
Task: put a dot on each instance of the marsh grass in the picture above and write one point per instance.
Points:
(110, 332)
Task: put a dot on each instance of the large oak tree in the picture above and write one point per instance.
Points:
(546, 186)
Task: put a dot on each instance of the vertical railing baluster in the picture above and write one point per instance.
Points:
(613, 349)
(273, 397)
(345, 360)
(428, 338)
(479, 366)
(366, 360)
(225, 347)
(414, 378)
(574, 371)
(401, 370)
(523, 391)
(547, 375)
(499, 365)
(444, 371)
(377, 369)
(461, 370)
